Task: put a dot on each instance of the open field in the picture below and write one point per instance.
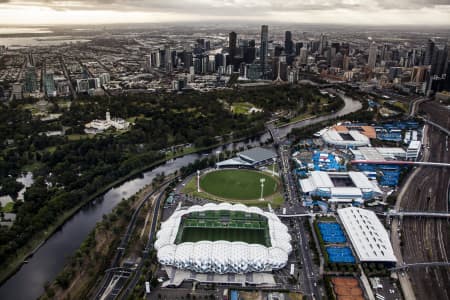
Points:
(242, 108)
(238, 184)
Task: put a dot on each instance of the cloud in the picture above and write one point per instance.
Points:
(359, 11)
(224, 7)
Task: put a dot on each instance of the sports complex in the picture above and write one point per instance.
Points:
(237, 186)
(223, 238)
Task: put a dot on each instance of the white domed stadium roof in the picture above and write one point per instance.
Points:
(223, 256)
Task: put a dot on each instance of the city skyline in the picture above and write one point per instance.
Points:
(380, 12)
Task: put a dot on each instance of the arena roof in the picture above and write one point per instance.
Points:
(257, 154)
(378, 153)
(223, 256)
(323, 181)
(368, 131)
(333, 137)
(368, 236)
(249, 157)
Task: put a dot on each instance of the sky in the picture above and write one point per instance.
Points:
(360, 12)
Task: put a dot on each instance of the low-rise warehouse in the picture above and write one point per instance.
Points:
(368, 236)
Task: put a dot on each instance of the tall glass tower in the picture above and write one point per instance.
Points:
(264, 48)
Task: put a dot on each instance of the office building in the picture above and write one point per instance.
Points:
(288, 43)
(264, 50)
(30, 80)
(372, 60)
(49, 85)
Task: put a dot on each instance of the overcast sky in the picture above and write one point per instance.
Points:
(370, 12)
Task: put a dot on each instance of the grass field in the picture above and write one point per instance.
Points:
(251, 236)
(224, 225)
(238, 184)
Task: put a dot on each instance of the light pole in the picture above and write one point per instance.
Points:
(198, 181)
(262, 180)
(273, 166)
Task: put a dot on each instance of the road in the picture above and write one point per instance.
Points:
(426, 239)
(310, 276)
(148, 247)
(109, 280)
(66, 74)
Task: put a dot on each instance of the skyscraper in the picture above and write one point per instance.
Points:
(428, 53)
(30, 80)
(323, 43)
(232, 37)
(288, 43)
(438, 70)
(264, 48)
(372, 56)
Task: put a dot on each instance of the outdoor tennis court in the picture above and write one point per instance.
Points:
(331, 233)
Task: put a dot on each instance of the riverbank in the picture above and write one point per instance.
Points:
(33, 245)
(81, 273)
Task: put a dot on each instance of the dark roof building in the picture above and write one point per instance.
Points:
(250, 158)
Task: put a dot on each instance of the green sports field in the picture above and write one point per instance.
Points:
(238, 184)
(224, 225)
(251, 236)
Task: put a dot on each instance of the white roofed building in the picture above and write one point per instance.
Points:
(344, 186)
(220, 256)
(368, 236)
(349, 139)
(413, 150)
(97, 126)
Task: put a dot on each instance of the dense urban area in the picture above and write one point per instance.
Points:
(224, 162)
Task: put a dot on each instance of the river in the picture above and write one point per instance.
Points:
(48, 261)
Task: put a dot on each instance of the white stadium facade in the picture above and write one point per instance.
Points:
(340, 186)
(349, 139)
(222, 257)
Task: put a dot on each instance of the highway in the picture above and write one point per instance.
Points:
(149, 246)
(426, 239)
(311, 287)
(108, 281)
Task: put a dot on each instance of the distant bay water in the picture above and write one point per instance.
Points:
(36, 36)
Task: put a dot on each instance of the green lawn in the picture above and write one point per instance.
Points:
(238, 184)
(8, 207)
(242, 108)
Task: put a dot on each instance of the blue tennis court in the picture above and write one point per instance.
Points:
(331, 233)
(340, 255)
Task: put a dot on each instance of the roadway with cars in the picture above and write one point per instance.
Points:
(311, 288)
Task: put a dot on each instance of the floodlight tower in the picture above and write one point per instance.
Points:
(273, 166)
(198, 181)
(262, 180)
(217, 156)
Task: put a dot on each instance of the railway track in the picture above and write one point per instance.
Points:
(428, 239)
